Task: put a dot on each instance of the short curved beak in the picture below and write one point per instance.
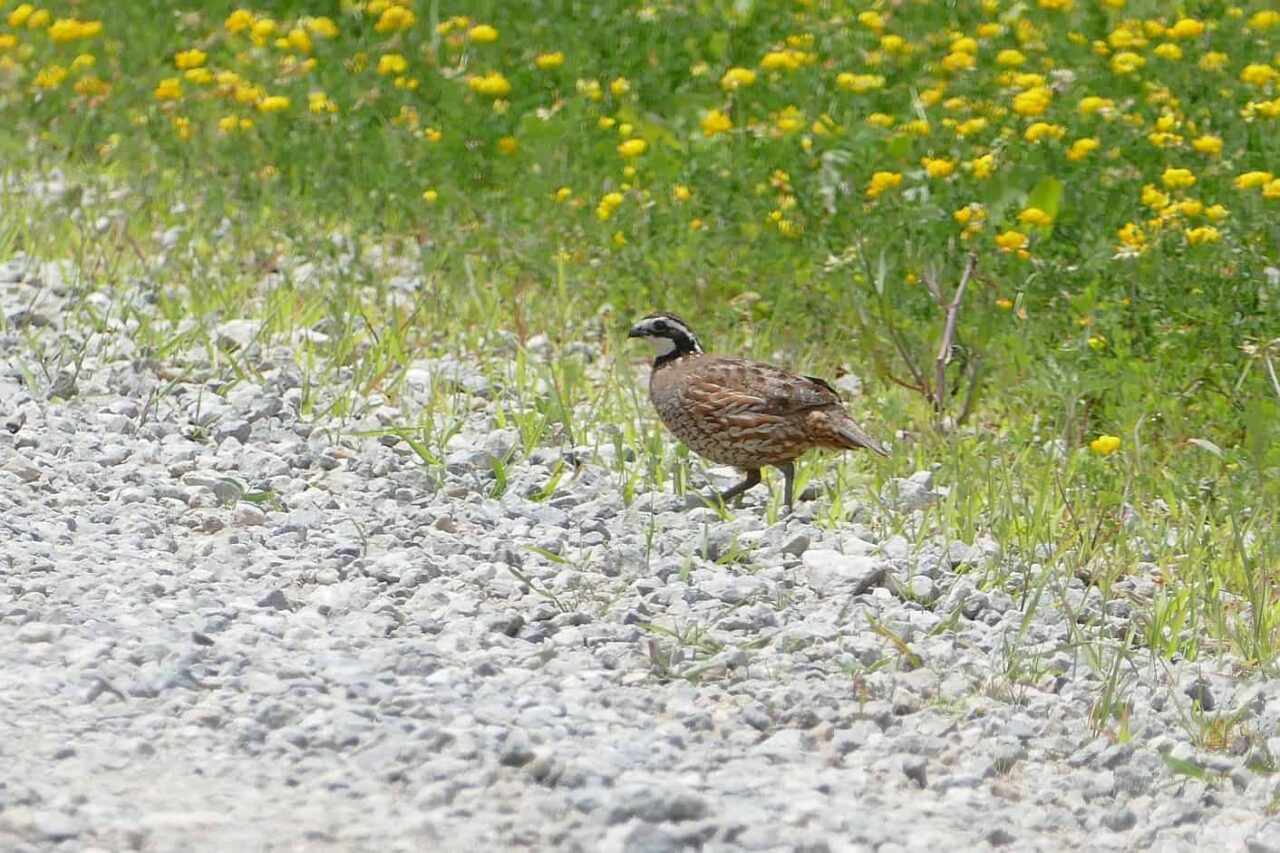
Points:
(636, 332)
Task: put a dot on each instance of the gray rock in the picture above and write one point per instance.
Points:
(56, 826)
(275, 600)
(1200, 693)
(1121, 819)
(908, 494)
(236, 428)
(831, 572)
(36, 632)
(515, 749)
(795, 544)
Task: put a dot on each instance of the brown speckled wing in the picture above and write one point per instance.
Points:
(762, 388)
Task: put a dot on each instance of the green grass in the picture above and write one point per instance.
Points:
(1164, 348)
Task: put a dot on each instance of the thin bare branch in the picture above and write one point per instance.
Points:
(975, 367)
(1271, 372)
(944, 352)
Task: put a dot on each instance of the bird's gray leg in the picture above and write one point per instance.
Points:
(788, 470)
(753, 479)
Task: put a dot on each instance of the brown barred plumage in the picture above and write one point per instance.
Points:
(743, 413)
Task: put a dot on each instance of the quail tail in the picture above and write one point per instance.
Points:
(839, 431)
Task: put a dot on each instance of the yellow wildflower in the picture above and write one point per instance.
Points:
(871, 20)
(299, 40)
(395, 19)
(1153, 198)
(392, 63)
(1127, 62)
(1257, 74)
(859, 83)
(1131, 235)
(1271, 190)
(609, 203)
(620, 87)
(1105, 445)
(508, 145)
(1034, 216)
(20, 14)
(482, 33)
(169, 89)
(880, 120)
(789, 120)
(547, 61)
(50, 77)
(319, 102)
(1010, 58)
(66, 30)
(1250, 180)
(1033, 102)
(1211, 145)
(1202, 234)
(1093, 104)
(562, 194)
(939, 167)
(785, 60)
(716, 122)
(1186, 28)
(239, 21)
(891, 43)
(958, 61)
(1264, 20)
(632, 147)
(490, 83)
(262, 30)
(1168, 50)
(1213, 60)
(273, 104)
(883, 181)
(322, 27)
(737, 78)
(1044, 130)
(1177, 178)
(193, 58)
(1081, 148)
(430, 196)
(1012, 241)
(982, 167)
(1215, 213)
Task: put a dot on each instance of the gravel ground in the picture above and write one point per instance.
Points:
(383, 657)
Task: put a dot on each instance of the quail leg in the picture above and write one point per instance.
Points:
(788, 470)
(753, 479)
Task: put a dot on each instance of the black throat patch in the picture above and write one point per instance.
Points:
(684, 344)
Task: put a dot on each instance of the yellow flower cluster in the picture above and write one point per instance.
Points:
(955, 118)
(491, 83)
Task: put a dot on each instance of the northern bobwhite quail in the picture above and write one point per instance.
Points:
(743, 413)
